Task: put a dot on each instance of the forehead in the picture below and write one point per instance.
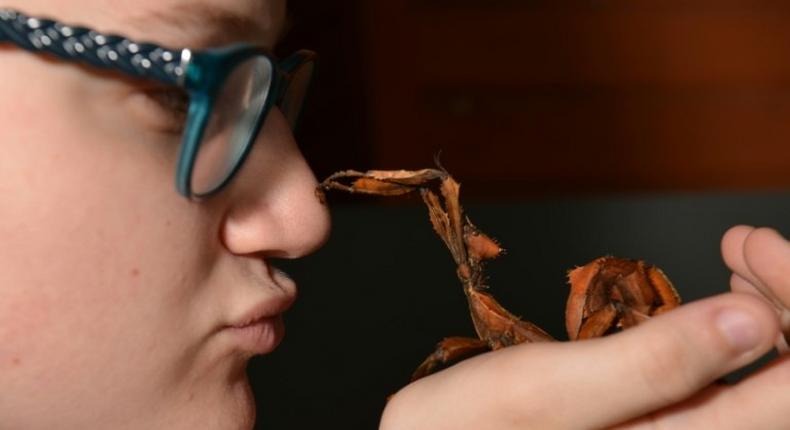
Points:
(175, 23)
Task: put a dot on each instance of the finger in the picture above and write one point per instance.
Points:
(688, 414)
(739, 284)
(760, 401)
(767, 255)
(757, 402)
(606, 381)
(594, 383)
(766, 250)
(732, 252)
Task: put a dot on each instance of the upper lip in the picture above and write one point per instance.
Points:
(270, 306)
(266, 309)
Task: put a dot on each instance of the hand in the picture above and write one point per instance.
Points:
(760, 261)
(655, 375)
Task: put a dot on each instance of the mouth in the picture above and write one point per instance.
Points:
(259, 329)
(258, 337)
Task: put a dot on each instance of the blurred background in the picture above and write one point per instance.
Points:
(641, 129)
(536, 97)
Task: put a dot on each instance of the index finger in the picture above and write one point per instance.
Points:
(767, 255)
(732, 249)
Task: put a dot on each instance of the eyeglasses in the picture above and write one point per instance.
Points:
(231, 89)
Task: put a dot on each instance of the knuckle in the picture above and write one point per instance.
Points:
(666, 369)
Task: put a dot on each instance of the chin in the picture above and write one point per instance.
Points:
(243, 406)
(228, 406)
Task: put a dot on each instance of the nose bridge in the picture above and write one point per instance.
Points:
(274, 209)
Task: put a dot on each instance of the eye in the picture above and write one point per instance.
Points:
(165, 108)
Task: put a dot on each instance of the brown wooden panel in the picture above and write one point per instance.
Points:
(583, 141)
(619, 47)
(642, 95)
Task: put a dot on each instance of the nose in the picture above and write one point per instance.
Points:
(272, 208)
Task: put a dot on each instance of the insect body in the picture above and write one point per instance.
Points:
(607, 294)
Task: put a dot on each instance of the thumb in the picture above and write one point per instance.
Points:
(593, 383)
(602, 382)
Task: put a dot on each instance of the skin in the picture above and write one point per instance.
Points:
(114, 290)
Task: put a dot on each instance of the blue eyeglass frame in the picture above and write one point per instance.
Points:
(200, 73)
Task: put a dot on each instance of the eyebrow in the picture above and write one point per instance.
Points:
(203, 26)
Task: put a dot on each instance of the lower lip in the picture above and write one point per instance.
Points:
(260, 337)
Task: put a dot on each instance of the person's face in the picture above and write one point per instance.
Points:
(118, 296)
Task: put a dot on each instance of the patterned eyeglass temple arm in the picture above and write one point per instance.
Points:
(84, 45)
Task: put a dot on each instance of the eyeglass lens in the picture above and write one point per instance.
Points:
(234, 115)
(291, 104)
(237, 113)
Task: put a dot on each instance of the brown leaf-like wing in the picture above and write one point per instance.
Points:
(580, 279)
(499, 327)
(379, 188)
(479, 246)
(381, 182)
(666, 291)
(615, 293)
(450, 190)
(407, 177)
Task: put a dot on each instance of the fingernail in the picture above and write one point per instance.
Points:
(739, 328)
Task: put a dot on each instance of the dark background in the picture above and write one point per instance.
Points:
(640, 129)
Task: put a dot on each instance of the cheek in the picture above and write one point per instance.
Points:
(90, 226)
(98, 251)
(20, 315)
